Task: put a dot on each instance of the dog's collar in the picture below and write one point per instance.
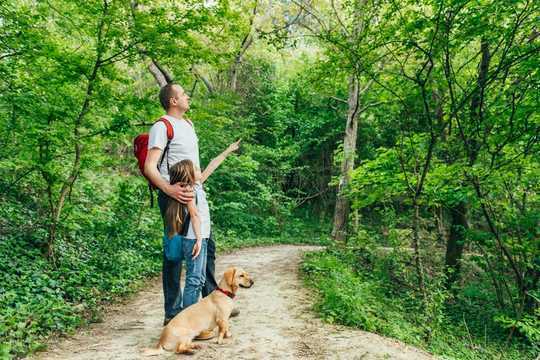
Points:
(226, 292)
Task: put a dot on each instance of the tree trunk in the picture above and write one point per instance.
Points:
(204, 79)
(341, 212)
(456, 242)
(416, 248)
(75, 168)
(233, 72)
(160, 74)
(246, 43)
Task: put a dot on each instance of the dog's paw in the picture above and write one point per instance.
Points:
(228, 334)
(227, 341)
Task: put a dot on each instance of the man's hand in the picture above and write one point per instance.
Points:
(178, 192)
(234, 146)
(181, 193)
(196, 249)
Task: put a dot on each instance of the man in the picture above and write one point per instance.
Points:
(184, 145)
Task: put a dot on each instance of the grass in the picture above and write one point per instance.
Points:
(359, 297)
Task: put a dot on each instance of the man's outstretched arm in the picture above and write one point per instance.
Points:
(218, 160)
(176, 191)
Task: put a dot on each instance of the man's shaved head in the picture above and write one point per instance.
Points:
(165, 94)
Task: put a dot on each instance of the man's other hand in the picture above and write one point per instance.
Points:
(181, 193)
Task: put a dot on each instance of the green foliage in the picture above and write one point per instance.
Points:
(448, 127)
(355, 288)
(102, 255)
(107, 240)
(353, 300)
(528, 325)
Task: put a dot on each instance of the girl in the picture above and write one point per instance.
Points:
(190, 248)
(196, 229)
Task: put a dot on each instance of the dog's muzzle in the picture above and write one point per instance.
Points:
(251, 282)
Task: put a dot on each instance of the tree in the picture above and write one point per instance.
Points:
(346, 33)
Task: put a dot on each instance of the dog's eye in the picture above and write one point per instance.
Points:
(242, 275)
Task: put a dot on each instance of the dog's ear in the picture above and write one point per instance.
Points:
(229, 278)
(234, 283)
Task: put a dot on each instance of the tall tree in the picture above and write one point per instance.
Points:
(345, 31)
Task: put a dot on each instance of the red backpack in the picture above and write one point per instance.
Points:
(140, 150)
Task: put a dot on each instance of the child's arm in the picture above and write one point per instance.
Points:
(218, 160)
(196, 223)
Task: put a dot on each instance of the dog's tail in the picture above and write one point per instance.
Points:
(158, 350)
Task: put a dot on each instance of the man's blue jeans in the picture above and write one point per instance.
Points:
(210, 284)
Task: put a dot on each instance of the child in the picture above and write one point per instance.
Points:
(195, 241)
(180, 248)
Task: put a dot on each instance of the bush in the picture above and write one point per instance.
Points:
(355, 290)
(101, 256)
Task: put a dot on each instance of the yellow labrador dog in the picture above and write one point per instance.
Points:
(213, 310)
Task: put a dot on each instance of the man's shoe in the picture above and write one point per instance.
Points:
(166, 321)
(205, 335)
(235, 312)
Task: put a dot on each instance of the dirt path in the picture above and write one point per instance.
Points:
(275, 321)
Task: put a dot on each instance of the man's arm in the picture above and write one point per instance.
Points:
(218, 160)
(176, 191)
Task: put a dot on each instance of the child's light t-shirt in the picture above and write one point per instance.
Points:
(204, 213)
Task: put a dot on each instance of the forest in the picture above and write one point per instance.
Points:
(404, 136)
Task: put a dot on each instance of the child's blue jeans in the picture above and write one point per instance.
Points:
(195, 271)
(172, 269)
(195, 275)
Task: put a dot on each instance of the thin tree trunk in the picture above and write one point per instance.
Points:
(233, 77)
(456, 242)
(161, 75)
(494, 278)
(494, 231)
(244, 46)
(75, 168)
(442, 233)
(473, 147)
(204, 79)
(341, 212)
(416, 247)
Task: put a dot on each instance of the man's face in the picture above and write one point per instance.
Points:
(181, 99)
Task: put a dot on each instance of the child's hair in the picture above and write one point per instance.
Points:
(182, 172)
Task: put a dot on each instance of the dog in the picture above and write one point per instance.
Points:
(210, 312)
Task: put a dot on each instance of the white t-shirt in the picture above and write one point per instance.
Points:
(204, 213)
(184, 145)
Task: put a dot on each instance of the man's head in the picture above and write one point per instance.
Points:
(173, 96)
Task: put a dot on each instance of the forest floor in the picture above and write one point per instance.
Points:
(276, 321)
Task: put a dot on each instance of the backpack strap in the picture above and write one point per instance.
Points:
(170, 130)
(170, 135)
